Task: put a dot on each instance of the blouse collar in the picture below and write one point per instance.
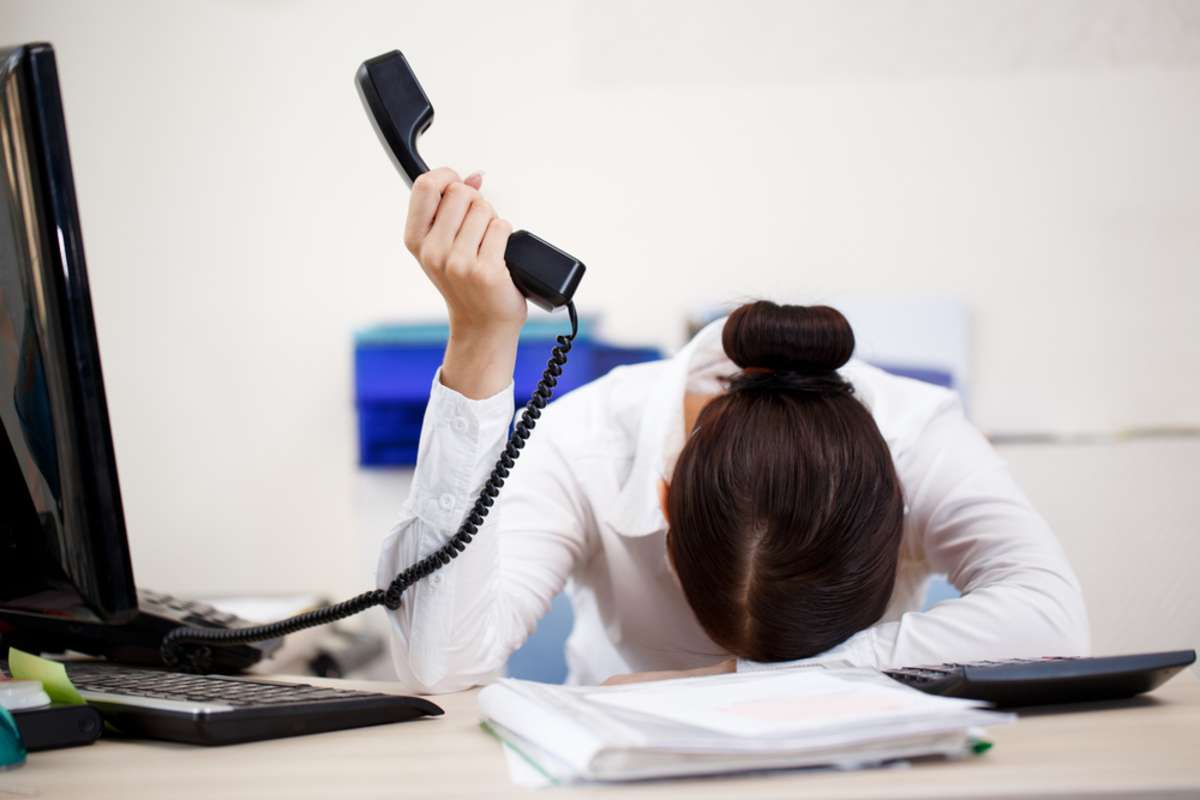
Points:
(660, 433)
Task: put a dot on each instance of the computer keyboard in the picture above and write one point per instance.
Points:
(221, 709)
(1041, 681)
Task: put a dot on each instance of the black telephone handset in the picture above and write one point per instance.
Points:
(546, 275)
(401, 112)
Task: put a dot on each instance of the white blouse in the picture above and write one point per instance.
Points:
(581, 511)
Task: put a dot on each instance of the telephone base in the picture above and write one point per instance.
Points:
(138, 641)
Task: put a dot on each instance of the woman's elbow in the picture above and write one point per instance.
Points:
(431, 664)
(1077, 637)
(446, 685)
(1067, 631)
(423, 676)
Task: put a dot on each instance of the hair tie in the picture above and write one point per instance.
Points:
(765, 379)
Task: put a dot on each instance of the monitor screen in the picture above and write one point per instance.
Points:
(63, 549)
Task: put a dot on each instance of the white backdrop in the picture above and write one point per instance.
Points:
(1036, 159)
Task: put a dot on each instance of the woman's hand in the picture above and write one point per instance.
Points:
(459, 241)
(720, 668)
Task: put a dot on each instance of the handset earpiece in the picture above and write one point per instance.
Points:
(401, 112)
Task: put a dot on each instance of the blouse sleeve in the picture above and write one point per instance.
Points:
(456, 628)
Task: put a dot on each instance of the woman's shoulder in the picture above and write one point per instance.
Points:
(902, 406)
(603, 415)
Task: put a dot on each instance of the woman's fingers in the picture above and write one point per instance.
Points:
(720, 668)
(426, 195)
(491, 249)
(456, 201)
(460, 244)
(465, 252)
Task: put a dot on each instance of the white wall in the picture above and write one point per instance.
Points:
(1127, 514)
(1035, 159)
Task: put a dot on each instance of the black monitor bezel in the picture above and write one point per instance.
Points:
(112, 595)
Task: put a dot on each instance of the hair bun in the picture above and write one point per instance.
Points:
(804, 339)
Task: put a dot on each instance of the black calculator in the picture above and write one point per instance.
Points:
(1041, 681)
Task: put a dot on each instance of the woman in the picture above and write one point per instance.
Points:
(755, 500)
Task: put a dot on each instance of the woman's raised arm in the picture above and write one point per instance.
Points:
(457, 627)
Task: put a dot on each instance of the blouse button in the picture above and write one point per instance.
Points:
(447, 502)
(459, 424)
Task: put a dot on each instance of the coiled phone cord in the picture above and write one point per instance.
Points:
(197, 656)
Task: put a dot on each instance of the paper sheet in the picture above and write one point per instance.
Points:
(53, 676)
(521, 770)
(523, 773)
(791, 702)
(722, 724)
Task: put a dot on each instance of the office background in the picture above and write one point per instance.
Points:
(1035, 161)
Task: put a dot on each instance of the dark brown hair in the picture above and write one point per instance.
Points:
(785, 508)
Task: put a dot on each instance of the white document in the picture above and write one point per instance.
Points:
(728, 723)
(780, 703)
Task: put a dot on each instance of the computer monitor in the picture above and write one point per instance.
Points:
(63, 549)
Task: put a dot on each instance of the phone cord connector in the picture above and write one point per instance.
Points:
(196, 656)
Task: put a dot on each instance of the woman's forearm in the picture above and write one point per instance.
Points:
(479, 363)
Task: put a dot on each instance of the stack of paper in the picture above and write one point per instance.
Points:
(730, 723)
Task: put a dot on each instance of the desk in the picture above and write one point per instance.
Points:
(1146, 747)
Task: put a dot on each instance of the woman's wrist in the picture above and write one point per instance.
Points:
(479, 362)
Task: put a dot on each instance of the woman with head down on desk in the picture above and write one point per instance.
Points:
(759, 499)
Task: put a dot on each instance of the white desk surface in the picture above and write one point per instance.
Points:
(1146, 747)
